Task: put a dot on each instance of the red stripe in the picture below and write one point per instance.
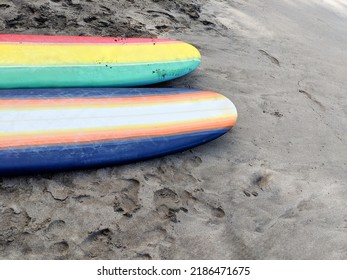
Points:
(14, 38)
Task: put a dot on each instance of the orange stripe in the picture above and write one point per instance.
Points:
(99, 101)
(109, 135)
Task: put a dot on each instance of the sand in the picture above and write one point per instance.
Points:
(275, 187)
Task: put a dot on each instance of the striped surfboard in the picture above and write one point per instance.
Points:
(33, 61)
(61, 129)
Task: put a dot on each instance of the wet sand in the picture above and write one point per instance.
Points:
(275, 187)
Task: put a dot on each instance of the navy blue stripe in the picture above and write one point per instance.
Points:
(59, 158)
(88, 92)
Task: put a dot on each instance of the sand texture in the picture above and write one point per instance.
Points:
(275, 187)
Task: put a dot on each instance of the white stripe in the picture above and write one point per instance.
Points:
(18, 121)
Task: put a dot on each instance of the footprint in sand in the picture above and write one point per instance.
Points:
(59, 247)
(167, 204)
(127, 200)
(97, 243)
(203, 206)
(12, 224)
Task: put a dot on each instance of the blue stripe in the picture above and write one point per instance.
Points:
(87, 92)
(70, 157)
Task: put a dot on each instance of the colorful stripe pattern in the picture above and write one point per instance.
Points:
(59, 129)
(29, 61)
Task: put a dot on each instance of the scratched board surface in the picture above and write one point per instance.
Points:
(60, 129)
(37, 61)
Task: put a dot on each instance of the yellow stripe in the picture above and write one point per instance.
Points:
(55, 55)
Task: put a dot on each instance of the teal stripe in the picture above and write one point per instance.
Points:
(94, 76)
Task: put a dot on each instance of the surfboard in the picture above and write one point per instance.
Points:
(63, 129)
(36, 61)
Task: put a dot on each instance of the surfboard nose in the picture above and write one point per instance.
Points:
(230, 110)
(233, 110)
(192, 52)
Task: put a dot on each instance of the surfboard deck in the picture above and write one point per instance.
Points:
(43, 130)
(38, 61)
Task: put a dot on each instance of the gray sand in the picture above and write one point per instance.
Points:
(275, 187)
